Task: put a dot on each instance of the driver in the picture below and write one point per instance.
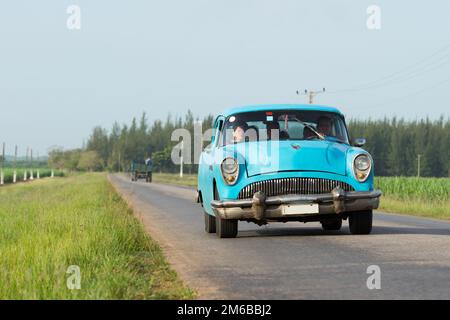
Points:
(308, 133)
(324, 126)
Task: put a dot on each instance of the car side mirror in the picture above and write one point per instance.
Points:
(359, 142)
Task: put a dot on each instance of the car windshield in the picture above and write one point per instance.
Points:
(284, 125)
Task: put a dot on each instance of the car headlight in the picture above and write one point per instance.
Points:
(362, 165)
(230, 170)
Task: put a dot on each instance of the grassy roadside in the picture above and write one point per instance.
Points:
(426, 197)
(417, 207)
(50, 225)
(171, 178)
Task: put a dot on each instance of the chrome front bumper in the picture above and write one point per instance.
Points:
(261, 207)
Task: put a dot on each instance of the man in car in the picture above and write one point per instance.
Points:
(273, 130)
(324, 126)
(239, 130)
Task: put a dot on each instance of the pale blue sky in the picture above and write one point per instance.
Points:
(168, 56)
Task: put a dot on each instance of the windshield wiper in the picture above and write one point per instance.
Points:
(310, 127)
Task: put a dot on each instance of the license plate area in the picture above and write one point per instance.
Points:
(302, 208)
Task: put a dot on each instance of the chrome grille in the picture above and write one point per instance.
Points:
(285, 186)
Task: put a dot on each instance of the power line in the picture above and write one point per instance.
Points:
(401, 79)
(436, 85)
(415, 70)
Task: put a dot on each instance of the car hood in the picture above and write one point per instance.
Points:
(279, 156)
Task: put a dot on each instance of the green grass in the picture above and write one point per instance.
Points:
(427, 197)
(171, 178)
(50, 224)
(43, 172)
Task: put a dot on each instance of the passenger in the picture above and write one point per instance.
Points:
(284, 135)
(273, 130)
(239, 129)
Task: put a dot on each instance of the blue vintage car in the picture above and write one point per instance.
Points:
(280, 163)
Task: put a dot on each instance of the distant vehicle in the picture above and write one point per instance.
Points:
(141, 170)
(285, 163)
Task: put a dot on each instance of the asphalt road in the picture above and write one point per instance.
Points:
(293, 260)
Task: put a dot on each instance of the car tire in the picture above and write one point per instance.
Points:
(210, 223)
(361, 222)
(225, 228)
(332, 224)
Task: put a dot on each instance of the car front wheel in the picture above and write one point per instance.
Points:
(360, 222)
(225, 228)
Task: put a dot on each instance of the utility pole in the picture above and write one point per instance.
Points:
(2, 177)
(15, 164)
(311, 94)
(38, 176)
(26, 162)
(418, 165)
(181, 158)
(31, 165)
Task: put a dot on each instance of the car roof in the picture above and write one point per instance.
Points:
(275, 107)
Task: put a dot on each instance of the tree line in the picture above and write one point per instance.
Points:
(114, 150)
(395, 144)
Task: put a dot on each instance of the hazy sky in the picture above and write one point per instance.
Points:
(168, 56)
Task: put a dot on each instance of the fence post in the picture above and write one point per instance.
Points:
(14, 176)
(25, 175)
(52, 174)
(31, 174)
(2, 181)
(38, 175)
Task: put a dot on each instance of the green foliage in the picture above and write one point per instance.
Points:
(90, 161)
(428, 197)
(140, 140)
(76, 159)
(99, 142)
(162, 160)
(412, 188)
(395, 145)
(61, 159)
